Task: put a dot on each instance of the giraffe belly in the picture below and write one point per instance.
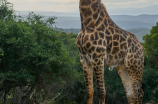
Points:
(113, 63)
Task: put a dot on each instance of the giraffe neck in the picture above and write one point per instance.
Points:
(92, 12)
(88, 7)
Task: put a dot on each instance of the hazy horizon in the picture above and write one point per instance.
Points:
(121, 7)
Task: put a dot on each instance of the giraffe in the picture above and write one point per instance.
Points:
(101, 42)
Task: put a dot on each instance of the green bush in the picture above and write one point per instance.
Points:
(32, 57)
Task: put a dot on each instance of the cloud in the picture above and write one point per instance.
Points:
(73, 5)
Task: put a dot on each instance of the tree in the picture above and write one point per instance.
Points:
(151, 48)
(150, 76)
(33, 62)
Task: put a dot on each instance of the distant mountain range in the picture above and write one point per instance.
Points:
(134, 11)
(123, 21)
(126, 18)
(139, 32)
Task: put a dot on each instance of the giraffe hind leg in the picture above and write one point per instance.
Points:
(88, 76)
(134, 68)
(127, 83)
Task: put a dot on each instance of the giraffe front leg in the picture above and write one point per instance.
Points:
(88, 75)
(99, 77)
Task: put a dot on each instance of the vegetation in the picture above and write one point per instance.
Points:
(34, 62)
(39, 65)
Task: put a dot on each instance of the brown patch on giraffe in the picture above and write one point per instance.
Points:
(104, 43)
(115, 43)
(99, 21)
(85, 49)
(94, 55)
(100, 42)
(125, 34)
(91, 37)
(80, 50)
(135, 41)
(105, 22)
(110, 57)
(83, 11)
(96, 60)
(98, 49)
(101, 35)
(122, 39)
(129, 42)
(95, 15)
(111, 29)
(91, 25)
(109, 47)
(112, 24)
(116, 57)
(116, 37)
(131, 35)
(102, 14)
(115, 50)
(86, 38)
(82, 27)
(95, 42)
(96, 36)
(99, 62)
(103, 49)
(101, 28)
(122, 53)
(119, 55)
(94, 6)
(93, 48)
(89, 30)
(86, 2)
(107, 32)
(88, 45)
(109, 38)
(121, 32)
(79, 36)
(109, 20)
(130, 56)
(78, 42)
(90, 51)
(87, 21)
(136, 48)
(117, 30)
(88, 12)
(123, 46)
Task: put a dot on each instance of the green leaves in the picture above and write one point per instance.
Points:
(150, 76)
(31, 52)
(151, 48)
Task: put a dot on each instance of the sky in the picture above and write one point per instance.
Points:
(73, 5)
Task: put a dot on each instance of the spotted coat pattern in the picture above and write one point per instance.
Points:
(101, 42)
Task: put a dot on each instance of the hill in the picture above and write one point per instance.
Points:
(123, 21)
(139, 32)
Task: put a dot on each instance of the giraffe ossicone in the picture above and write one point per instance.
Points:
(101, 42)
